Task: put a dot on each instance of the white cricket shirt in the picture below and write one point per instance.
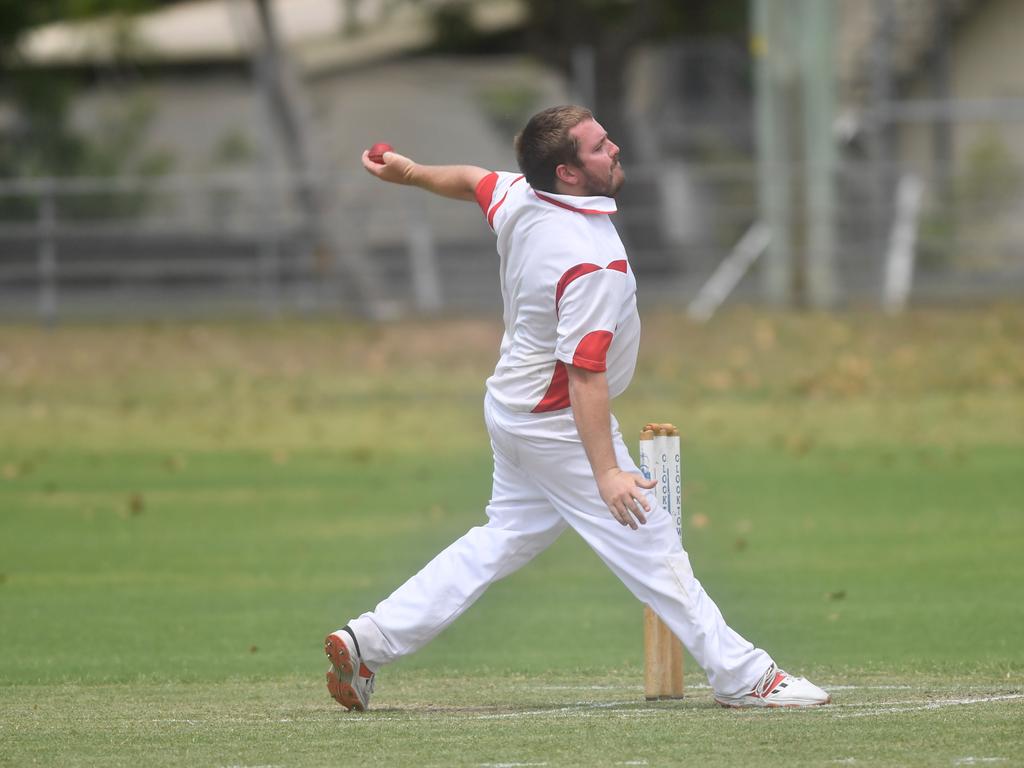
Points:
(569, 293)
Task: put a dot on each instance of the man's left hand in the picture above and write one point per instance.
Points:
(623, 492)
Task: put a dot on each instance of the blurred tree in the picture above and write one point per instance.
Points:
(18, 16)
(37, 139)
(591, 41)
(603, 34)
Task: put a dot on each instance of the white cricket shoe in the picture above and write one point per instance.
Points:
(349, 680)
(778, 689)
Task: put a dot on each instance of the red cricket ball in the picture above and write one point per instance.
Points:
(377, 152)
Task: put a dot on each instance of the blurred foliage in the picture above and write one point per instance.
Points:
(18, 16)
(970, 229)
(38, 138)
(612, 30)
(41, 142)
(509, 106)
(991, 175)
(555, 32)
(454, 31)
(554, 28)
(232, 148)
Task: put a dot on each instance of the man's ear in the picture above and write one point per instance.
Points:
(567, 174)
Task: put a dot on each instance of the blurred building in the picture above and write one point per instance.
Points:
(261, 203)
(931, 91)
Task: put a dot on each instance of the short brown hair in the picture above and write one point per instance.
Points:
(545, 143)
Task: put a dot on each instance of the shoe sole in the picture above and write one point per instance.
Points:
(773, 706)
(339, 676)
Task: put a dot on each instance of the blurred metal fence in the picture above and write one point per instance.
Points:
(237, 243)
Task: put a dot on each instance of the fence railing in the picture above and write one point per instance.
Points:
(243, 242)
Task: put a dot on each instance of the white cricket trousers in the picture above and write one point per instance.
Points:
(542, 484)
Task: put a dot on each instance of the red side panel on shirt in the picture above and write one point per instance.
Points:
(590, 354)
(485, 191)
(557, 396)
(592, 351)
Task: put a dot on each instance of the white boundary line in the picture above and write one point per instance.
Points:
(706, 687)
(884, 708)
(635, 708)
(902, 707)
(831, 688)
(580, 706)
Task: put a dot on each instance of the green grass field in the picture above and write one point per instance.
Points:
(185, 511)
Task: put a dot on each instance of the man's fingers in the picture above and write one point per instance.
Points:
(369, 165)
(642, 500)
(623, 514)
(639, 509)
(628, 512)
(626, 503)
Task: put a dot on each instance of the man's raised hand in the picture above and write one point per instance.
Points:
(392, 167)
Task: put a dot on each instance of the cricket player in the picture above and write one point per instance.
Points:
(570, 345)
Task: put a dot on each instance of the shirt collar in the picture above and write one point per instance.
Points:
(579, 204)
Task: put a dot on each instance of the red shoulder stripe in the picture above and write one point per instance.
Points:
(494, 210)
(485, 190)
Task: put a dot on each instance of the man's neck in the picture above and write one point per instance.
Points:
(574, 191)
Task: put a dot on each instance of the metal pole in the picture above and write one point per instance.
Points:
(774, 72)
(47, 255)
(942, 130)
(270, 253)
(818, 90)
(899, 263)
(584, 78)
(423, 266)
(880, 141)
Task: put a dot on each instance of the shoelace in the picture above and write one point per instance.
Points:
(762, 688)
(369, 682)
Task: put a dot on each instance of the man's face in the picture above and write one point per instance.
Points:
(598, 158)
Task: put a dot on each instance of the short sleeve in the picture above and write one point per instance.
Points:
(492, 192)
(589, 303)
(485, 191)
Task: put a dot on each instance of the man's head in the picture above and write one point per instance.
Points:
(564, 150)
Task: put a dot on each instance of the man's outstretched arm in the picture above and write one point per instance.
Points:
(455, 181)
(622, 491)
